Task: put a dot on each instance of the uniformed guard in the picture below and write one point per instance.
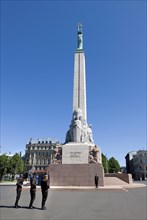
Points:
(32, 190)
(44, 189)
(19, 185)
(96, 180)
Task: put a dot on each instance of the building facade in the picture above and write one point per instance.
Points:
(39, 154)
(140, 164)
(129, 162)
(136, 164)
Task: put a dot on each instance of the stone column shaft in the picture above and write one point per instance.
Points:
(79, 88)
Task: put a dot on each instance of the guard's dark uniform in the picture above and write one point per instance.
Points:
(18, 190)
(96, 180)
(32, 191)
(44, 188)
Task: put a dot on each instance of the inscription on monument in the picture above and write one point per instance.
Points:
(74, 153)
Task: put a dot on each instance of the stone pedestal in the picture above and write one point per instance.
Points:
(75, 169)
(75, 174)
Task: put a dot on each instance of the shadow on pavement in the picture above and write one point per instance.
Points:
(20, 207)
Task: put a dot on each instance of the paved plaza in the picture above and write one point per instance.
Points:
(107, 203)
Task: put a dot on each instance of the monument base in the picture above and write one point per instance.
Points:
(75, 174)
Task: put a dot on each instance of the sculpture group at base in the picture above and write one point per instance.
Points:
(79, 131)
(94, 154)
(57, 155)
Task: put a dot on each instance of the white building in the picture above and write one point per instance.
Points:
(38, 154)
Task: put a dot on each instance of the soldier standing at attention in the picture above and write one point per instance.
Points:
(44, 189)
(96, 180)
(19, 185)
(32, 190)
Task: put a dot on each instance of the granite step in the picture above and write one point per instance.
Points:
(113, 181)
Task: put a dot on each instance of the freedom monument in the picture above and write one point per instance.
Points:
(79, 159)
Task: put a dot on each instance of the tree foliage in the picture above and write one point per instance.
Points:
(4, 165)
(114, 166)
(17, 165)
(11, 165)
(105, 163)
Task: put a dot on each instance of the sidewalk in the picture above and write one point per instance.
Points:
(133, 185)
(13, 183)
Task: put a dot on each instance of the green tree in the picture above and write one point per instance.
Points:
(4, 165)
(105, 163)
(16, 165)
(114, 166)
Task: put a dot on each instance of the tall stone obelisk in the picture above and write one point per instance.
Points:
(81, 158)
(79, 93)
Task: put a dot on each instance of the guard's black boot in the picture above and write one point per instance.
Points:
(43, 208)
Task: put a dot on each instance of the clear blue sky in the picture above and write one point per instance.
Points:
(38, 41)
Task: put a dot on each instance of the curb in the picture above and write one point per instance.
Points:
(129, 186)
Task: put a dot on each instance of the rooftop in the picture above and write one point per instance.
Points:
(42, 140)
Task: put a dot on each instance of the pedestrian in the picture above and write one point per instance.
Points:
(32, 190)
(19, 185)
(96, 180)
(44, 189)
